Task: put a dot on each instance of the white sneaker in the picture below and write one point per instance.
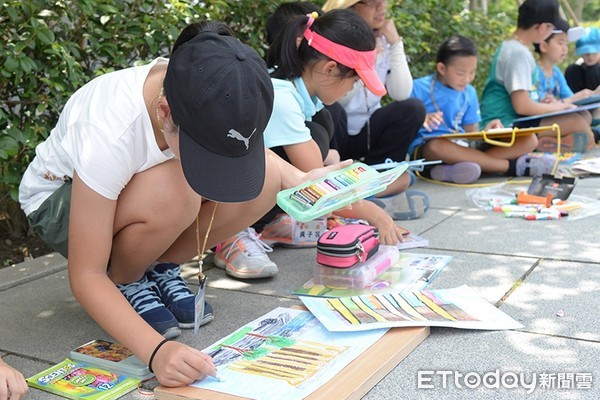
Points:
(245, 256)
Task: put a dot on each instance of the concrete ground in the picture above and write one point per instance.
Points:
(545, 274)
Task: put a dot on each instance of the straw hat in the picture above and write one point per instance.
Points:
(333, 4)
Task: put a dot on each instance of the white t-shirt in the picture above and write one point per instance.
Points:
(392, 68)
(104, 133)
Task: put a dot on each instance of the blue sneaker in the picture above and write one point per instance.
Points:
(144, 299)
(176, 295)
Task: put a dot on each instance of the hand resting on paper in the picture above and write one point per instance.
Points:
(493, 124)
(176, 364)
(433, 120)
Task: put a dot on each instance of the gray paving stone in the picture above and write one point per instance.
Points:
(482, 352)
(559, 298)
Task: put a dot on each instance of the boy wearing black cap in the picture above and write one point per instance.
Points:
(510, 90)
(141, 164)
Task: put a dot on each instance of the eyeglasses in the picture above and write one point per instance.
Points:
(373, 3)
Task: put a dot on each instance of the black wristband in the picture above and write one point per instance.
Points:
(158, 346)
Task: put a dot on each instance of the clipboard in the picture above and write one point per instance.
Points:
(492, 136)
(352, 383)
(525, 122)
(588, 100)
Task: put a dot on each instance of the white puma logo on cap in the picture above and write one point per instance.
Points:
(236, 135)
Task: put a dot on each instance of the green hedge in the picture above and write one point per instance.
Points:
(53, 47)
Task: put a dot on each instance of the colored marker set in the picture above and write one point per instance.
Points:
(336, 190)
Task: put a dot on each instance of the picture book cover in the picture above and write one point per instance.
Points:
(74, 380)
(112, 356)
(412, 271)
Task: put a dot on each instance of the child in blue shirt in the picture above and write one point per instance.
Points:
(335, 50)
(452, 107)
(550, 81)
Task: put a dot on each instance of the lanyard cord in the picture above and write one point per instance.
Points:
(201, 250)
(461, 111)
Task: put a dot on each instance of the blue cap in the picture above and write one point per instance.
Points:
(589, 42)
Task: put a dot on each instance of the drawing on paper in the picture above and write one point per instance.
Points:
(406, 306)
(269, 351)
(454, 308)
(285, 354)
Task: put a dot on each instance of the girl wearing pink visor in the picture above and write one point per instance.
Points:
(313, 61)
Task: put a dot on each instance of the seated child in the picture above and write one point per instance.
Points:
(452, 107)
(585, 73)
(510, 90)
(368, 130)
(550, 81)
(335, 51)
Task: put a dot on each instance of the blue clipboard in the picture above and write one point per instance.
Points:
(588, 100)
(533, 120)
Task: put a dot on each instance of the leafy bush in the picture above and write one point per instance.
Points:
(51, 48)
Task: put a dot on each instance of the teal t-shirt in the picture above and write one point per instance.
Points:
(512, 69)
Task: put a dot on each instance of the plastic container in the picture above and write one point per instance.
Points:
(360, 275)
(336, 190)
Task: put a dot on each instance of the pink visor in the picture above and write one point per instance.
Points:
(363, 62)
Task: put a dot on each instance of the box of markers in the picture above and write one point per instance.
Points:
(336, 190)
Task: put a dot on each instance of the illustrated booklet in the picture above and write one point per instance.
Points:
(74, 380)
(112, 356)
(451, 308)
(412, 271)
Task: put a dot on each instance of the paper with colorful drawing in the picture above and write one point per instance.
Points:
(285, 354)
(452, 308)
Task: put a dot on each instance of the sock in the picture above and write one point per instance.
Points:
(512, 168)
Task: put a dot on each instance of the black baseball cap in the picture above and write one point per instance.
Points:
(221, 97)
(533, 12)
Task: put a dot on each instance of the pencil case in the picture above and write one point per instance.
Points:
(336, 190)
(360, 275)
(347, 245)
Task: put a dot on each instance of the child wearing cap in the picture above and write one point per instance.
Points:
(140, 165)
(551, 83)
(335, 51)
(585, 73)
(364, 128)
(510, 90)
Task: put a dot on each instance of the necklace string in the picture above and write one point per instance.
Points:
(203, 248)
(461, 111)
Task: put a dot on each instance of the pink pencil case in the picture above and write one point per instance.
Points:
(347, 245)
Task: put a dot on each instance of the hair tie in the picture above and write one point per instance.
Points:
(307, 32)
(311, 18)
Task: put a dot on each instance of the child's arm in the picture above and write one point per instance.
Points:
(389, 232)
(91, 231)
(304, 156)
(12, 383)
(399, 81)
(582, 94)
(523, 105)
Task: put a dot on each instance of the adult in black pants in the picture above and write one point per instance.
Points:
(364, 129)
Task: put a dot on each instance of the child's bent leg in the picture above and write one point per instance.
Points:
(153, 210)
(575, 130)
